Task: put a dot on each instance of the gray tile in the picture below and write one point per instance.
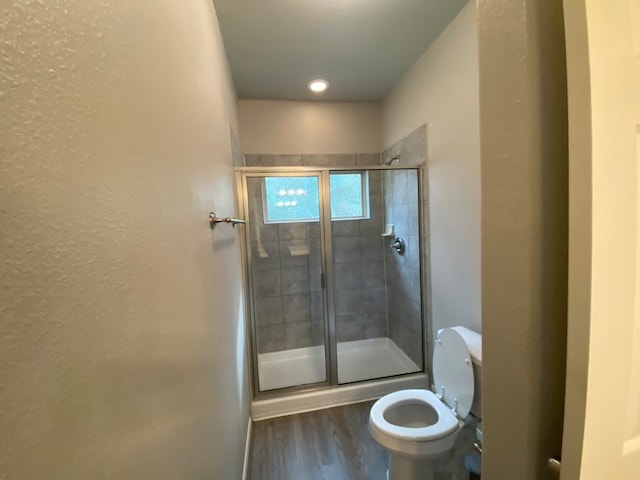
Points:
(296, 308)
(412, 185)
(254, 193)
(315, 255)
(349, 328)
(368, 159)
(270, 339)
(347, 275)
(385, 156)
(294, 253)
(399, 187)
(292, 231)
(259, 160)
(399, 216)
(348, 302)
(317, 319)
(344, 228)
(416, 316)
(373, 225)
(295, 280)
(387, 210)
(375, 325)
(393, 327)
(395, 300)
(374, 300)
(387, 186)
(265, 255)
(413, 248)
(316, 160)
(342, 160)
(412, 219)
(315, 278)
(346, 249)
(287, 160)
(372, 274)
(375, 203)
(297, 335)
(371, 248)
(414, 147)
(317, 308)
(317, 333)
(268, 311)
(267, 283)
(411, 344)
(313, 229)
(414, 283)
(267, 232)
(375, 180)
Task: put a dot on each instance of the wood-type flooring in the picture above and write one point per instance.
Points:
(331, 444)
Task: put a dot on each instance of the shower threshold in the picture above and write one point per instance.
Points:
(357, 360)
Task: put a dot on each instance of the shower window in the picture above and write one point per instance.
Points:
(349, 195)
(295, 199)
(291, 199)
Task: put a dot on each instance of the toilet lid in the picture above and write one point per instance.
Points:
(453, 370)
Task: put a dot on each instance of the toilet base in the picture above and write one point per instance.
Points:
(403, 468)
(439, 468)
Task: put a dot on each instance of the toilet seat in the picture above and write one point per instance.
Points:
(446, 423)
(453, 372)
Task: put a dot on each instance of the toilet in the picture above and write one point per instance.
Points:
(419, 428)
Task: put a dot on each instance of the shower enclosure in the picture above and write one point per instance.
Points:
(331, 302)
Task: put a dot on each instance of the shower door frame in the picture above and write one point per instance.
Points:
(328, 287)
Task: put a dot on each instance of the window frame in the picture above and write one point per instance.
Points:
(364, 185)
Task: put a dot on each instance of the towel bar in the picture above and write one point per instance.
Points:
(214, 220)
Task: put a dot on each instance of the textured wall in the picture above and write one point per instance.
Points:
(524, 234)
(122, 348)
(441, 91)
(276, 127)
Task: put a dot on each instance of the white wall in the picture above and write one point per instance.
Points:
(122, 348)
(282, 127)
(441, 90)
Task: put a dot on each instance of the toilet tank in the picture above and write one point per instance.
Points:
(474, 345)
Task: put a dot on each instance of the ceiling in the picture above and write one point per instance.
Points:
(362, 47)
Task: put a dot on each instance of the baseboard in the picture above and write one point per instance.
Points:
(247, 450)
(333, 397)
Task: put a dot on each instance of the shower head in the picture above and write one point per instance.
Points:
(393, 160)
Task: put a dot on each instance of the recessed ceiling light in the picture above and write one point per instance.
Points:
(318, 86)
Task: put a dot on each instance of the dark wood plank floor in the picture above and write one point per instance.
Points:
(332, 444)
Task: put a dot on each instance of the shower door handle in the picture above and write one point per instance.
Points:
(323, 281)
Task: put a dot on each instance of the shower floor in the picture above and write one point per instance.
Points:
(357, 360)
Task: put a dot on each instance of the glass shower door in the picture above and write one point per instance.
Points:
(378, 296)
(285, 258)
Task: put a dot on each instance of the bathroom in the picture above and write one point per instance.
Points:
(336, 314)
(140, 325)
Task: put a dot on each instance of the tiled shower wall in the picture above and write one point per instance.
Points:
(358, 263)
(403, 272)
(370, 302)
(286, 287)
(334, 160)
(288, 297)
